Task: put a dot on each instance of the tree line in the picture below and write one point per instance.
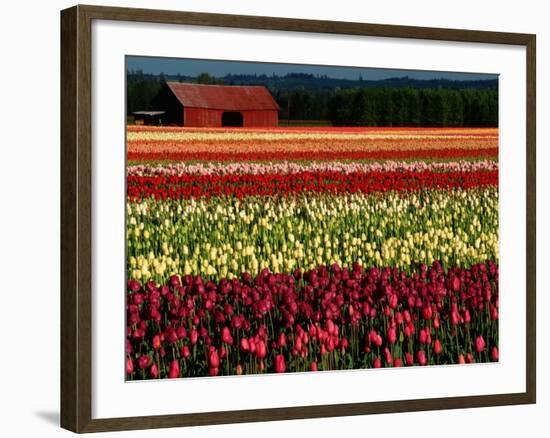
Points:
(413, 107)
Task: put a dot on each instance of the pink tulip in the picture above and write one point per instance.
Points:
(144, 361)
(174, 371)
(313, 366)
(181, 332)
(194, 336)
(467, 317)
(129, 366)
(494, 354)
(245, 346)
(154, 371)
(156, 342)
(392, 335)
(280, 366)
(437, 346)
(479, 344)
(213, 358)
(261, 350)
(185, 352)
(226, 336)
(454, 318)
(282, 340)
(421, 357)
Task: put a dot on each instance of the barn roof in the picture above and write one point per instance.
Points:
(224, 97)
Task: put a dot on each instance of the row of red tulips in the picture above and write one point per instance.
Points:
(324, 319)
(312, 155)
(239, 185)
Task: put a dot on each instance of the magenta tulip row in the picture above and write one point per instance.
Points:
(323, 319)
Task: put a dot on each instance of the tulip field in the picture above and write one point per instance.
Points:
(310, 249)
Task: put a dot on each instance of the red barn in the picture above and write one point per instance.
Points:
(202, 105)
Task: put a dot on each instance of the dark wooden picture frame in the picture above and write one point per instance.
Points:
(76, 218)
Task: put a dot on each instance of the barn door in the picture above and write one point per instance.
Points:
(232, 118)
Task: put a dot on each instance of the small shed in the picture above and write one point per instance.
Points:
(202, 105)
(148, 117)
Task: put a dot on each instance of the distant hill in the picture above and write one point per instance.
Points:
(307, 81)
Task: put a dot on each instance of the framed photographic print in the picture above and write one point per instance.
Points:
(338, 215)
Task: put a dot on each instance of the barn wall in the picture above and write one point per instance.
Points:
(208, 118)
(166, 101)
(260, 118)
(212, 118)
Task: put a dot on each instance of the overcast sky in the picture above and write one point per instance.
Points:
(193, 67)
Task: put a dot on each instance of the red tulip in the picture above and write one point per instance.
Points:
(261, 350)
(427, 312)
(399, 318)
(144, 361)
(377, 362)
(421, 357)
(245, 345)
(480, 344)
(330, 326)
(214, 371)
(494, 354)
(129, 366)
(181, 332)
(397, 363)
(388, 356)
(392, 335)
(313, 366)
(185, 352)
(467, 317)
(454, 318)
(174, 371)
(469, 358)
(409, 359)
(437, 346)
(280, 366)
(171, 335)
(375, 338)
(213, 358)
(156, 342)
(226, 336)
(422, 337)
(154, 371)
(194, 336)
(282, 340)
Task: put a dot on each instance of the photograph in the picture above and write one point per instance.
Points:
(289, 218)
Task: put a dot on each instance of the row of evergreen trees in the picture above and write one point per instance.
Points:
(413, 107)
